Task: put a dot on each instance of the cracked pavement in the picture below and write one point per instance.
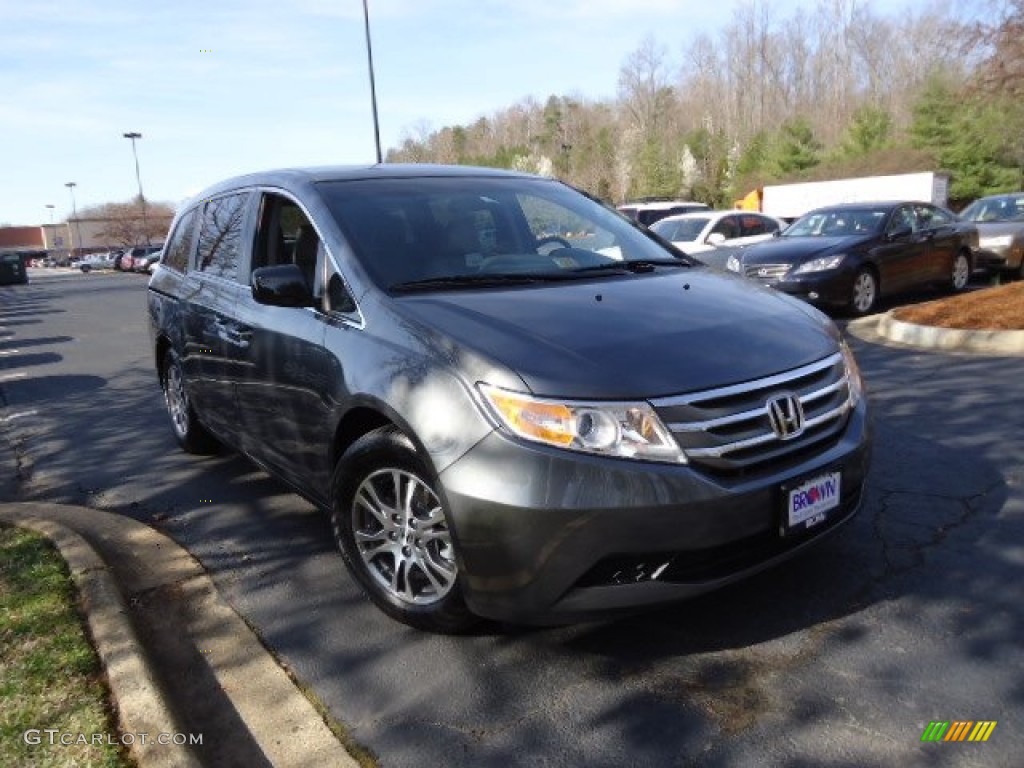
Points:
(911, 613)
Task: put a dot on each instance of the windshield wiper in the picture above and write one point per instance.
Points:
(637, 266)
(478, 281)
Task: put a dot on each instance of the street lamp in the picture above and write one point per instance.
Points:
(51, 207)
(373, 88)
(138, 178)
(74, 213)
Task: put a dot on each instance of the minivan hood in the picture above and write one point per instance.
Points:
(792, 250)
(632, 337)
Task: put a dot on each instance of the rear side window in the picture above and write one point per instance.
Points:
(220, 235)
(930, 217)
(754, 225)
(179, 247)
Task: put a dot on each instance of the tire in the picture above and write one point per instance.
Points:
(864, 292)
(960, 273)
(190, 434)
(391, 527)
(85, 268)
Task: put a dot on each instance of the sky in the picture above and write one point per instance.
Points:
(219, 88)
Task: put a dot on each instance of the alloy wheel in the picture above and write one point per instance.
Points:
(961, 272)
(864, 291)
(177, 400)
(402, 536)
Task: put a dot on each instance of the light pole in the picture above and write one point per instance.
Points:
(373, 87)
(74, 213)
(133, 135)
(51, 207)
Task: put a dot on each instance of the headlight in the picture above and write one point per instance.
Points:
(820, 265)
(626, 430)
(996, 242)
(852, 374)
(732, 264)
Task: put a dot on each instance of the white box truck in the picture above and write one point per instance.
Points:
(790, 201)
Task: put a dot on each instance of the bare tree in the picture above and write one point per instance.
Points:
(124, 224)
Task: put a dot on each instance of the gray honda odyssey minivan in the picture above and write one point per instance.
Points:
(512, 401)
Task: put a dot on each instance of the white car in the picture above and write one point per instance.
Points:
(96, 261)
(649, 211)
(705, 230)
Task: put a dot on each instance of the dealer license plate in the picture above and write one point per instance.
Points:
(809, 503)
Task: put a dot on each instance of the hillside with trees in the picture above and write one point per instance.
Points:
(832, 91)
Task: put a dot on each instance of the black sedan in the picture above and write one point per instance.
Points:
(850, 255)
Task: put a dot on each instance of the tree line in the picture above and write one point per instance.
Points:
(835, 91)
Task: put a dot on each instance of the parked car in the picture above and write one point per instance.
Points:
(497, 427)
(851, 255)
(150, 262)
(1000, 223)
(134, 259)
(706, 230)
(98, 261)
(649, 211)
(12, 269)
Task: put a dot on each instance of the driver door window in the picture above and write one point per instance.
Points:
(904, 217)
(286, 236)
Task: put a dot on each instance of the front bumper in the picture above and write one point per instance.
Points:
(547, 536)
(830, 287)
(999, 257)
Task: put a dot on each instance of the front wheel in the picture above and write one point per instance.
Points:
(191, 435)
(393, 532)
(961, 272)
(864, 293)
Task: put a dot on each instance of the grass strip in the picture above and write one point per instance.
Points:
(50, 675)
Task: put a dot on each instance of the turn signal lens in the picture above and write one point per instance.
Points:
(547, 422)
(626, 430)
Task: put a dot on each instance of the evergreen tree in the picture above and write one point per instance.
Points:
(796, 149)
(871, 129)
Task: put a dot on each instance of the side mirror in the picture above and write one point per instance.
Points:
(283, 285)
(715, 238)
(902, 231)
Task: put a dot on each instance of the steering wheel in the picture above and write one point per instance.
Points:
(552, 239)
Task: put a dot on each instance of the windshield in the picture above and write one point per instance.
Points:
(447, 231)
(1001, 208)
(838, 222)
(681, 230)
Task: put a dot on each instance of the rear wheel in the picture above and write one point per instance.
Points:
(864, 293)
(961, 272)
(393, 532)
(191, 435)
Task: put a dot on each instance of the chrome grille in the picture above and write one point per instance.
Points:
(728, 431)
(766, 271)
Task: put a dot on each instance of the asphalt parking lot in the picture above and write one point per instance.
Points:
(910, 614)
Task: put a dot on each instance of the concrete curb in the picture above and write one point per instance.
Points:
(943, 339)
(143, 566)
(141, 707)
